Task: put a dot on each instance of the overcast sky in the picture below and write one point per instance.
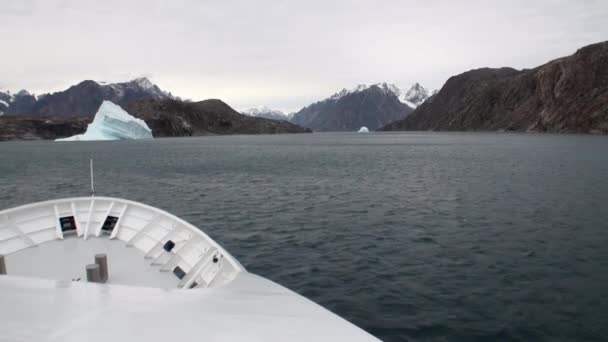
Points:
(283, 54)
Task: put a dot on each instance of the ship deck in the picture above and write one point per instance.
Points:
(250, 308)
(66, 260)
(168, 281)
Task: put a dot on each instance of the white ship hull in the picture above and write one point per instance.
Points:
(168, 281)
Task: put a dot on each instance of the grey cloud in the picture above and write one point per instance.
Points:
(283, 54)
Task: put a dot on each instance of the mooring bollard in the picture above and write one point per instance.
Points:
(93, 275)
(102, 261)
(2, 265)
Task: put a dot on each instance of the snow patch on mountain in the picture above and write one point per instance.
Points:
(144, 82)
(386, 87)
(261, 109)
(414, 97)
(6, 98)
(141, 84)
(111, 122)
(344, 91)
(265, 112)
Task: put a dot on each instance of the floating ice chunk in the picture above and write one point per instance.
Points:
(113, 123)
(363, 130)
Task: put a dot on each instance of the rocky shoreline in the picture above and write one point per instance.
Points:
(19, 128)
(166, 118)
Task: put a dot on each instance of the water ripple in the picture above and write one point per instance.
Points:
(417, 237)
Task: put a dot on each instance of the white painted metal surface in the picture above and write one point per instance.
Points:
(143, 228)
(44, 296)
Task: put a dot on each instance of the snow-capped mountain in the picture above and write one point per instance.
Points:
(344, 92)
(140, 85)
(84, 98)
(5, 100)
(372, 106)
(265, 112)
(22, 101)
(413, 97)
(384, 87)
(416, 95)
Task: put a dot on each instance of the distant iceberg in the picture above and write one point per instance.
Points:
(363, 130)
(113, 123)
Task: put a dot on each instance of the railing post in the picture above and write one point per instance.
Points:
(102, 261)
(2, 265)
(93, 275)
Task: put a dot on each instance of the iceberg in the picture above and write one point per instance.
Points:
(363, 130)
(111, 122)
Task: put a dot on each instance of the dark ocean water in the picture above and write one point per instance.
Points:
(418, 237)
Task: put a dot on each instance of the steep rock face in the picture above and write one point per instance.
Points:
(567, 95)
(169, 118)
(372, 107)
(84, 98)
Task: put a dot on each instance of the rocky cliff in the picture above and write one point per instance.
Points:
(567, 95)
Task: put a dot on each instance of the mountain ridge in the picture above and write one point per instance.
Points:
(171, 117)
(267, 113)
(81, 99)
(565, 95)
(349, 109)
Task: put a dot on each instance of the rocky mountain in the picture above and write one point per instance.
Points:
(566, 95)
(83, 99)
(416, 95)
(265, 112)
(171, 118)
(23, 100)
(166, 118)
(348, 110)
(5, 100)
